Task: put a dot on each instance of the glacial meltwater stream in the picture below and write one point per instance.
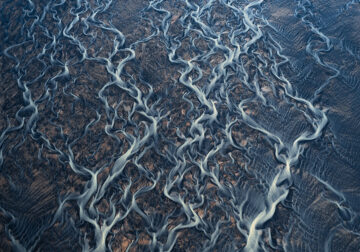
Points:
(180, 125)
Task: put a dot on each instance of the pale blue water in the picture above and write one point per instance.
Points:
(180, 125)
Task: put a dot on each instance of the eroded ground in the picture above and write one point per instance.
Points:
(179, 125)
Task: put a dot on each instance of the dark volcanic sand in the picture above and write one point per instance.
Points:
(162, 125)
